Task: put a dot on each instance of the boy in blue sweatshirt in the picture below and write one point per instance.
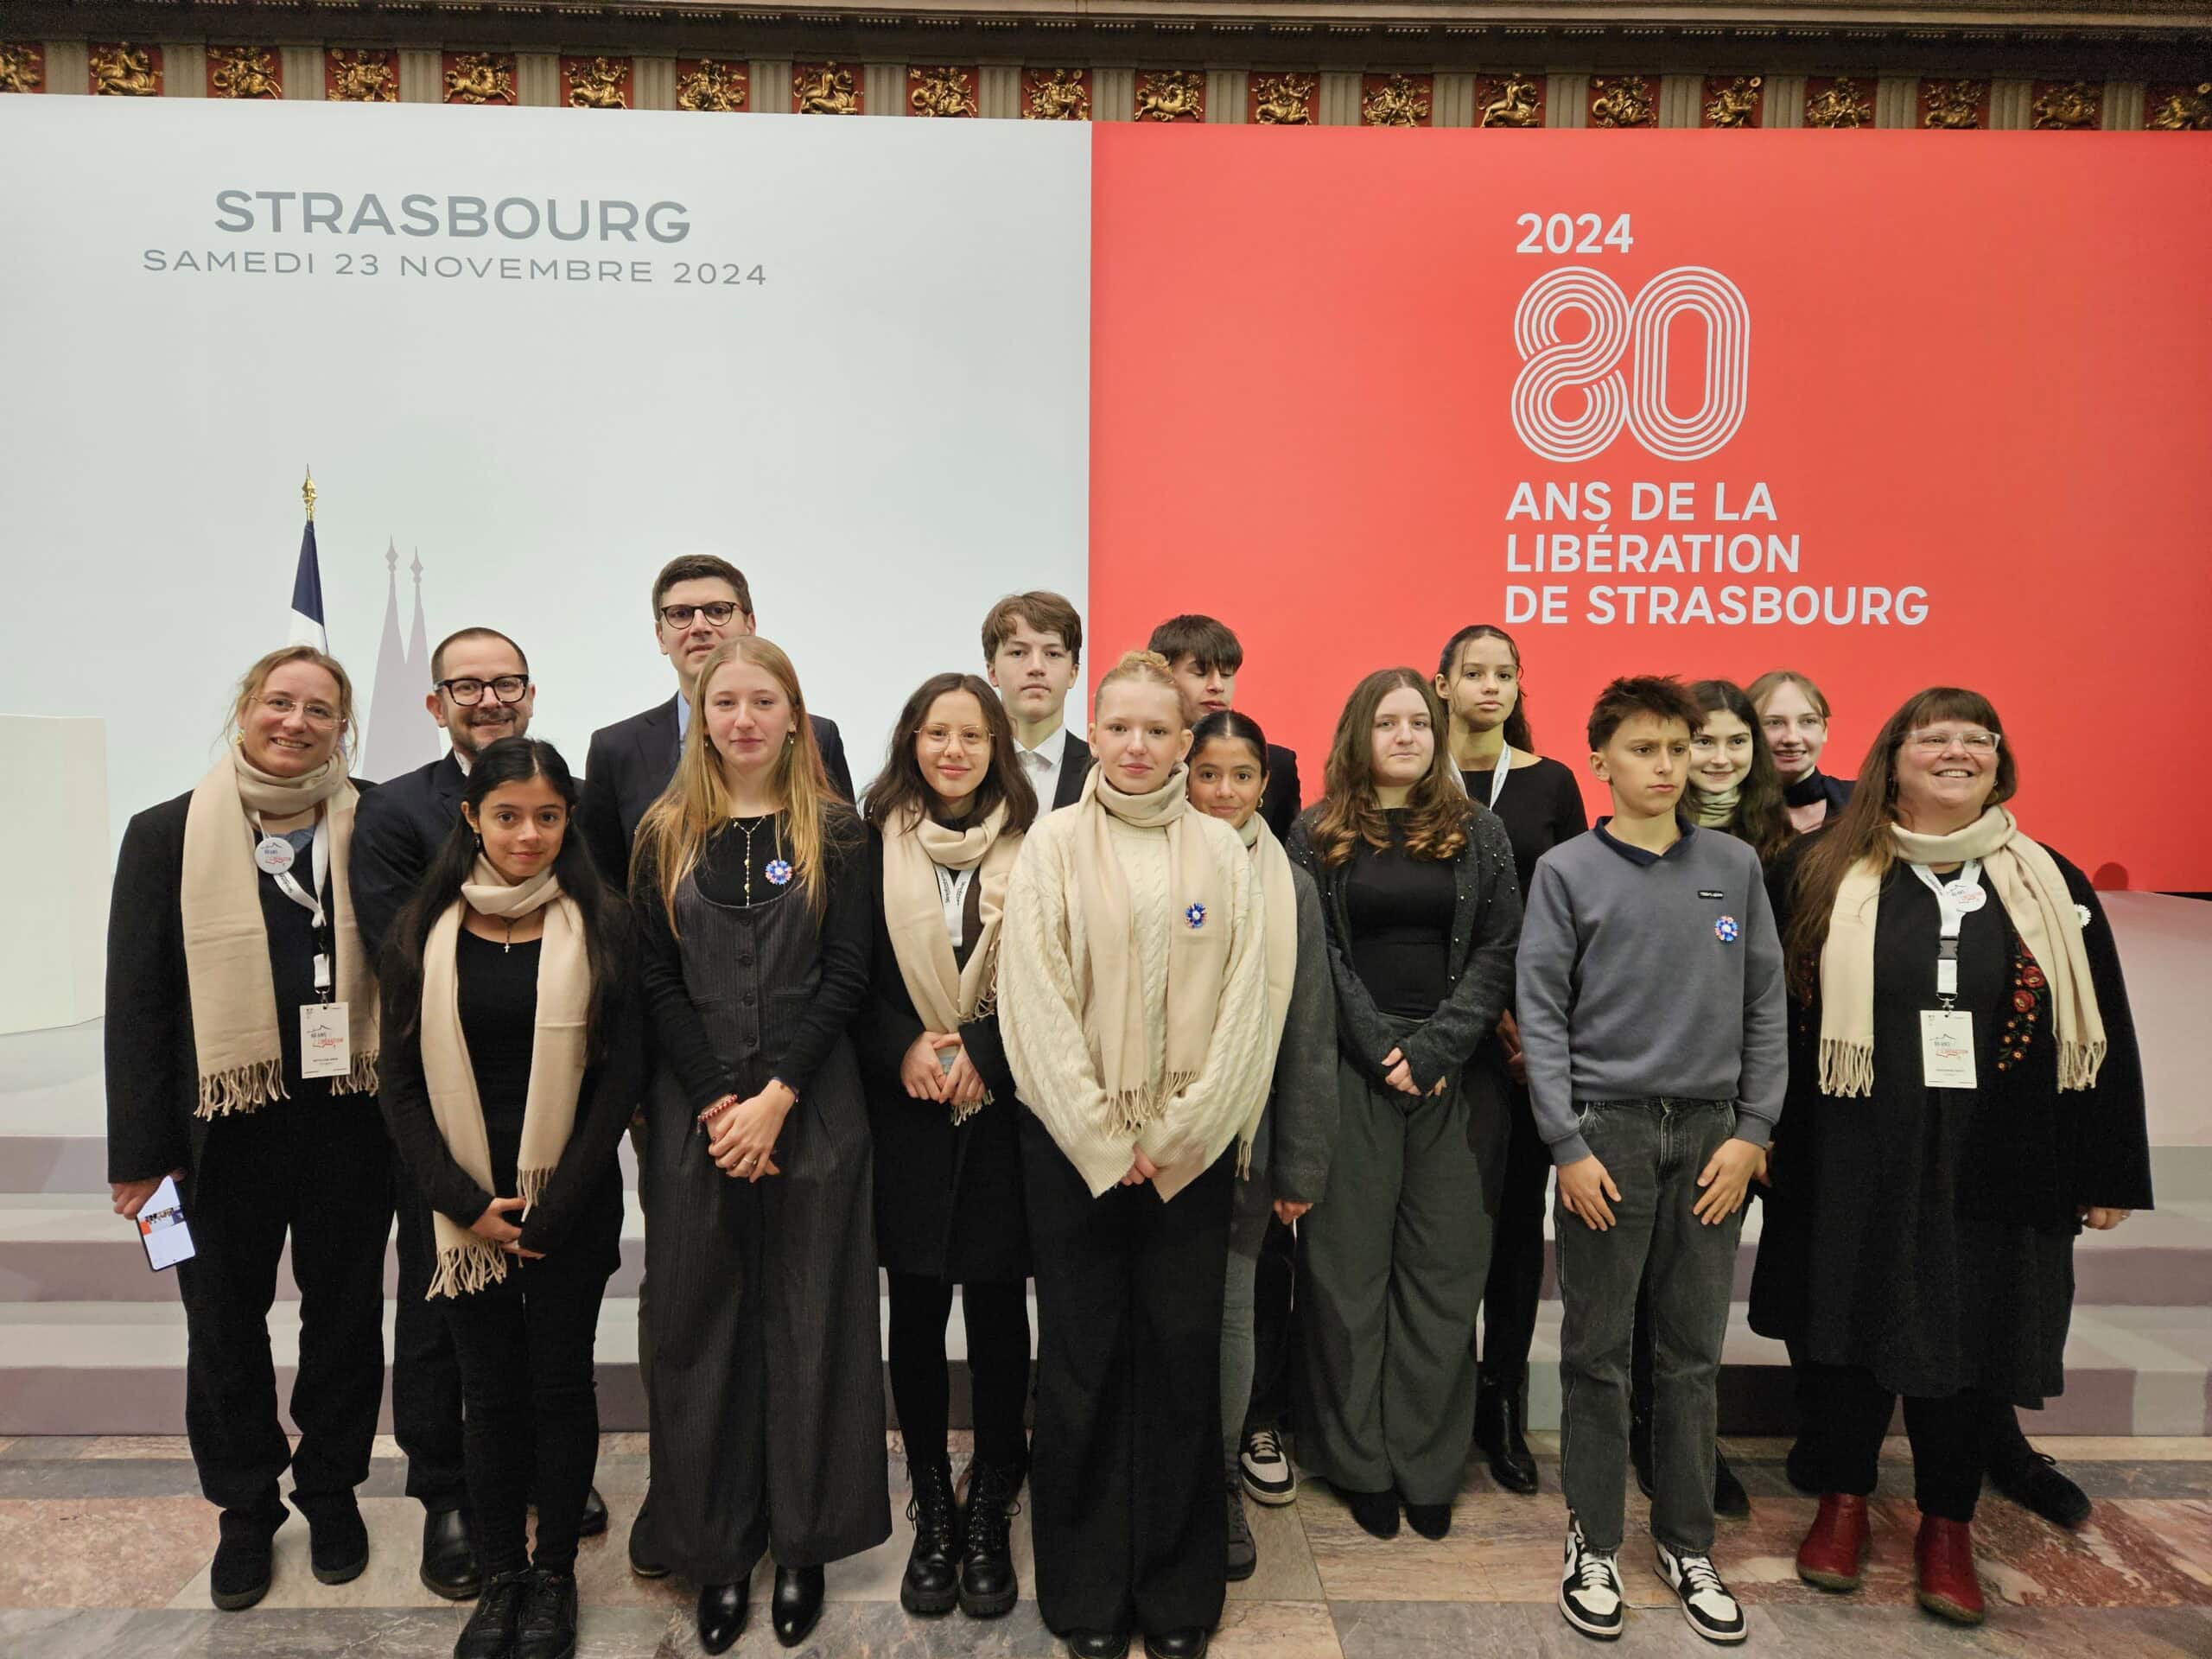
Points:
(1651, 1003)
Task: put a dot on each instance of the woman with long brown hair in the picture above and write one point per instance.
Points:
(1965, 1096)
(1422, 911)
(947, 814)
(749, 883)
(1734, 787)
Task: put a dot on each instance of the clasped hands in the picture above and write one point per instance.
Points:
(926, 1076)
(494, 1227)
(741, 1132)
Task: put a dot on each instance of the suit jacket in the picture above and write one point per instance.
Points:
(630, 763)
(397, 831)
(1076, 762)
(1279, 806)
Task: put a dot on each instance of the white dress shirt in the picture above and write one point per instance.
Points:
(1042, 764)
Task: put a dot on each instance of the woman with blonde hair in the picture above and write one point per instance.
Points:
(242, 1059)
(1132, 990)
(749, 884)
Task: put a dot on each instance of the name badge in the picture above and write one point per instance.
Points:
(325, 1046)
(274, 854)
(1946, 1048)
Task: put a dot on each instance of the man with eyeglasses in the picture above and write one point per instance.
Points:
(481, 692)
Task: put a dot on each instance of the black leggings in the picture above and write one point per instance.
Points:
(531, 1427)
(1846, 1413)
(997, 1318)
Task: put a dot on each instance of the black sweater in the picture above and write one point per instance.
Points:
(1541, 806)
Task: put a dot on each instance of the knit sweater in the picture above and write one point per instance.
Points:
(1044, 996)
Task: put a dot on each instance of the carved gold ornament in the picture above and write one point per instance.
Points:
(1283, 100)
(1841, 105)
(242, 72)
(363, 78)
(944, 93)
(2071, 106)
(1954, 105)
(715, 88)
(596, 84)
(123, 71)
(1396, 102)
(480, 78)
(1058, 95)
(826, 90)
(1172, 95)
(1734, 104)
(1514, 102)
(22, 68)
(2183, 110)
(1621, 101)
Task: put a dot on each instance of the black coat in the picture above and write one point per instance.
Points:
(1279, 806)
(1076, 762)
(948, 1201)
(630, 763)
(397, 830)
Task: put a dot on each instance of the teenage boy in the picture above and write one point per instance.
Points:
(1650, 1001)
(1204, 656)
(1033, 651)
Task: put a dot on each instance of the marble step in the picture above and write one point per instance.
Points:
(117, 1368)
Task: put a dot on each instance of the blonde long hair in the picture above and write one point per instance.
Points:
(696, 805)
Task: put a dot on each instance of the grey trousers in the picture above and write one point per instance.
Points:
(1654, 1150)
(1248, 1227)
(1391, 1271)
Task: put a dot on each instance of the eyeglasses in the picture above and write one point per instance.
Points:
(1934, 742)
(508, 687)
(315, 714)
(718, 611)
(971, 737)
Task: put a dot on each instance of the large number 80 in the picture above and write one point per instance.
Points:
(1550, 366)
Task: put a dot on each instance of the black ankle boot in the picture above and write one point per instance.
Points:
(450, 1568)
(246, 1558)
(720, 1615)
(933, 1581)
(989, 1586)
(1499, 1433)
(545, 1627)
(490, 1632)
(797, 1603)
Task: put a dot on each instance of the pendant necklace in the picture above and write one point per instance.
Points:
(507, 949)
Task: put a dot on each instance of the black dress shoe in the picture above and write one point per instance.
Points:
(1177, 1644)
(545, 1627)
(449, 1564)
(1729, 1498)
(593, 1522)
(490, 1632)
(645, 1553)
(932, 1582)
(721, 1616)
(797, 1603)
(1098, 1645)
(2032, 1480)
(1376, 1512)
(1499, 1434)
(1429, 1520)
(988, 1583)
(244, 1560)
(338, 1544)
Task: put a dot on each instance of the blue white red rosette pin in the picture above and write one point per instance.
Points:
(779, 871)
(1725, 930)
(1196, 915)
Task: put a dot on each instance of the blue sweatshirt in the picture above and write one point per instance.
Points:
(1644, 975)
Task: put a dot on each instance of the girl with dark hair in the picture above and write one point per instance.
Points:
(947, 814)
(1422, 914)
(515, 1054)
(1539, 800)
(1962, 1040)
(1733, 785)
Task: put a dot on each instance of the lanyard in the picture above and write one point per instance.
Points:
(288, 884)
(1498, 774)
(1952, 901)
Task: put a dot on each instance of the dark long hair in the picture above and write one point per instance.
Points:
(1438, 810)
(1761, 816)
(1518, 732)
(1862, 830)
(605, 918)
(1238, 728)
(901, 795)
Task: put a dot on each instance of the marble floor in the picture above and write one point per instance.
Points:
(104, 1545)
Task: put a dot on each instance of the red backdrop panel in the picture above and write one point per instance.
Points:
(1974, 383)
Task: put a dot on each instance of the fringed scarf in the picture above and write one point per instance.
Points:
(1279, 933)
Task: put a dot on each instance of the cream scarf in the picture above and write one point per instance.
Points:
(2035, 901)
(234, 1013)
(1716, 808)
(466, 1262)
(1194, 976)
(1280, 934)
(945, 997)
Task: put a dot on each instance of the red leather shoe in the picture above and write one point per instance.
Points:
(1835, 1550)
(1943, 1556)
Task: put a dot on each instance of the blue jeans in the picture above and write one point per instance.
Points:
(1654, 1150)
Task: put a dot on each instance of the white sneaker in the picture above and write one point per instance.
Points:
(1268, 1475)
(1590, 1588)
(1713, 1613)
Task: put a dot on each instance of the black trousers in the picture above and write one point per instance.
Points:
(1846, 1413)
(425, 1370)
(524, 1349)
(1516, 1284)
(997, 1321)
(320, 1171)
(1125, 1481)
(1275, 1327)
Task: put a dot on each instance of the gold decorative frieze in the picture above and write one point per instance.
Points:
(22, 66)
(1172, 95)
(243, 72)
(361, 77)
(1513, 100)
(596, 83)
(1396, 100)
(942, 91)
(1289, 99)
(1622, 101)
(1953, 105)
(1838, 102)
(2071, 107)
(122, 70)
(1732, 103)
(1056, 94)
(479, 77)
(711, 86)
(2179, 109)
(823, 89)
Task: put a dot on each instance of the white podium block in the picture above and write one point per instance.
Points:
(56, 864)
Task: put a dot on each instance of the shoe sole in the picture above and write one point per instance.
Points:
(1944, 1608)
(647, 1571)
(996, 1606)
(1835, 1582)
(451, 1592)
(1273, 1496)
(1719, 1638)
(1238, 1572)
(238, 1600)
(1111, 1653)
(1596, 1632)
(346, 1574)
(928, 1606)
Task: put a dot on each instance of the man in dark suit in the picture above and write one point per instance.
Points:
(481, 692)
(1033, 651)
(1204, 656)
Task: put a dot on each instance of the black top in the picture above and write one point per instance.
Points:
(720, 876)
(1817, 785)
(497, 989)
(1541, 806)
(396, 829)
(1279, 805)
(292, 947)
(1401, 909)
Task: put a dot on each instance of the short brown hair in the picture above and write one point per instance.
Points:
(438, 656)
(1206, 642)
(701, 567)
(1047, 612)
(1641, 694)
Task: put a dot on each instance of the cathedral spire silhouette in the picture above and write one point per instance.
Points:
(402, 735)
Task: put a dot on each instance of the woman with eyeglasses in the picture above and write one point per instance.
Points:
(1965, 1097)
(1795, 717)
(241, 1046)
